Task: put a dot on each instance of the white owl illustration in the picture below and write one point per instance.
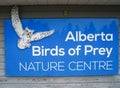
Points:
(26, 36)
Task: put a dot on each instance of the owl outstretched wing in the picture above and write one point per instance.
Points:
(16, 23)
(41, 35)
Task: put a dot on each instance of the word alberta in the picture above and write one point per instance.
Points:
(88, 37)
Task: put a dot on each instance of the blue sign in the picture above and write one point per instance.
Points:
(61, 47)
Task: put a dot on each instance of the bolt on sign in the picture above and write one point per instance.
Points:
(61, 46)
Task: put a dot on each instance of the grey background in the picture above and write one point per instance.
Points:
(57, 82)
(59, 2)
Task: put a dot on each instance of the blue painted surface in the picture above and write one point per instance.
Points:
(80, 64)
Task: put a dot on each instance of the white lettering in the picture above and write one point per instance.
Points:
(78, 36)
(100, 51)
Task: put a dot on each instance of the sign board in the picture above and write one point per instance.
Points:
(62, 47)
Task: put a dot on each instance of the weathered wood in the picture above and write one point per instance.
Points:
(74, 11)
(1, 51)
(1, 30)
(71, 14)
(63, 80)
(119, 36)
(1, 37)
(57, 82)
(2, 73)
(2, 66)
(1, 44)
(1, 23)
(73, 8)
(2, 59)
(63, 85)
(5, 15)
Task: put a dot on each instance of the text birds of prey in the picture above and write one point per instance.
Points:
(26, 36)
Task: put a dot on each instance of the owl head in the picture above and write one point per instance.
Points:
(28, 32)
